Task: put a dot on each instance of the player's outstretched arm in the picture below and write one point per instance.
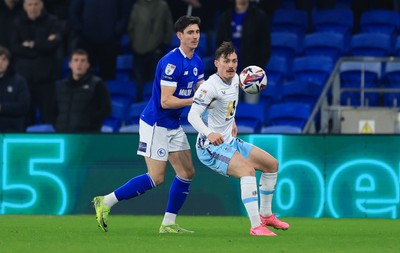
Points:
(169, 101)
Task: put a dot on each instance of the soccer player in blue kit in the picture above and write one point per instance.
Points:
(218, 147)
(162, 139)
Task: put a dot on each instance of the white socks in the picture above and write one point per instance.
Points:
(169, 219)
(248, 186)
(110, 200)
(267, 189)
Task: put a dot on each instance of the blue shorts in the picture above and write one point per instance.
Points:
(217, 158)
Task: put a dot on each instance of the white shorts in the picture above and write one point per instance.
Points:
(156, 142)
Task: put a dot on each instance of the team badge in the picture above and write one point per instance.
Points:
(161, 152)
(169, 70)
(195, 71)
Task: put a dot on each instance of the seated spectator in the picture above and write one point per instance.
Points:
(83, 100)
(14, 96)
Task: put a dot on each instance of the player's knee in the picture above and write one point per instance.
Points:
(187, 173)
(248, 170)
(274, 166)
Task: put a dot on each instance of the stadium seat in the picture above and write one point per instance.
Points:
(118, 116)
(397, 46)
(289, 114)
(125, 44)
(370, 44)
(281, 129)
(324, 44)
(133, 117)
(124, 67)
(380, 21)
(301, 92)
(209, 67)
(334, 21)
(286, 45)
(391, 80)
(290, 20)
(315, 69)
(276, 70)
(122, 91)
(351, 77)
(106, 129)
(147, 90)
(249, 117)
(41, 128)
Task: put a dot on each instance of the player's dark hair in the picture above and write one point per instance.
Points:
(185, 21)
(226, 48)
(4, 51)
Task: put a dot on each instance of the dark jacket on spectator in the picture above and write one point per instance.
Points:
(99, 22)
(37, 64)
(82, 105)
(255, 45)
(14, 102)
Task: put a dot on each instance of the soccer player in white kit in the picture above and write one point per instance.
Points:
(162, 139)
(218, 147)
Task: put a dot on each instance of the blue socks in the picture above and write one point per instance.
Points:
(177, 194)
(135, 187)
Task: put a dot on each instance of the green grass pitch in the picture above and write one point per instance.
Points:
(42, 234)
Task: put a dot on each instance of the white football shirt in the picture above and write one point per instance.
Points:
(223, 99)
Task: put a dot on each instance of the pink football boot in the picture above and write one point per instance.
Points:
(274, 222)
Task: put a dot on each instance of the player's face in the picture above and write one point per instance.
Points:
(190, 37)
(227, 66)
(4, 62)
(33, 8)
(79, 65)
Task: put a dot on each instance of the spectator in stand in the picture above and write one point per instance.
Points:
(99, 26)
(83, 100)
(248, 27)
(8, 11)
(150, 30)
(35, 41)
(14, 96)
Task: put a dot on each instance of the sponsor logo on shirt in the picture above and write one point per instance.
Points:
(169, 70)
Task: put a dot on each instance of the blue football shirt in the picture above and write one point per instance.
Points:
(175, 70)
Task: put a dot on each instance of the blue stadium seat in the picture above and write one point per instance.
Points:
(41, 128)
(249, 117)
(324, 44)
(290, 20)
(333, 20)
(118, 116)
(315, 69)
(122, 91)
(397, 46)
(209, 67)
(289, 114)
(391, 80)
(281, 129)
(124, 67)
(370, 44)
(380, 21)
(125, 44)
(301, 92)
(286, 45)
(133, 117)
(351, 77)
(147, 90)
(276, 70)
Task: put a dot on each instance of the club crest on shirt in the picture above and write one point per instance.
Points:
(169, 70)
(195, 71)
